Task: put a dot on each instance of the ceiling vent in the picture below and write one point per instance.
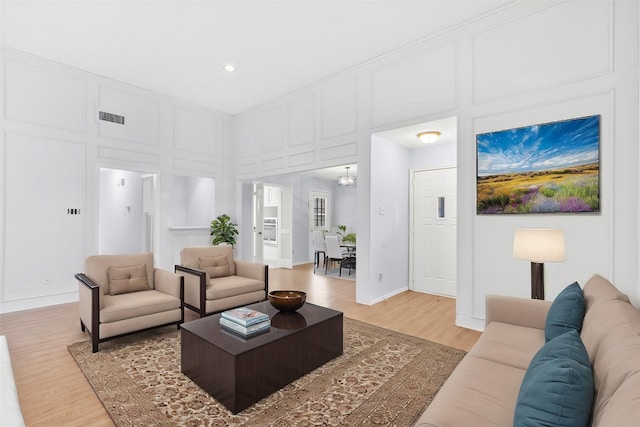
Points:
(113, 118)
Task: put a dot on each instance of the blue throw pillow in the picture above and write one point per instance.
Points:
(557, 389)
(566, 312)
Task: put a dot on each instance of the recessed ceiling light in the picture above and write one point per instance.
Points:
(229, 68)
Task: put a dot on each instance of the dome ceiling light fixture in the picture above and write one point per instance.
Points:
(429, 136)
(230, 68)
(347, 180)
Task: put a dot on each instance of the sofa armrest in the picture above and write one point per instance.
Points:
(195, 288)
(530, 313)
(10, 403)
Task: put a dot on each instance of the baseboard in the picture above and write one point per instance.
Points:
(38, 302)
(389, 295)
(470, 322)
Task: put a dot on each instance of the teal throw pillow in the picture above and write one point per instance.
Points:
(557, 389)
(566, 312)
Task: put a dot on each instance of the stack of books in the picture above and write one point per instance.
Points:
(245, 321)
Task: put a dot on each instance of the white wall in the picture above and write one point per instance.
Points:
(51, 150)
(344, 207)
(193, 201)
(389, 264)
(494, 73)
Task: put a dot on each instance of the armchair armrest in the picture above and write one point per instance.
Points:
(168, 282)
(195, 288)
(530, 313)
(90, 304)
(254, 270)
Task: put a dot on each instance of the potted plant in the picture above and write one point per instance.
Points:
(346, 237)
(223, 230)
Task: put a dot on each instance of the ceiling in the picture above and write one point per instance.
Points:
(408, 136)
(179, 48)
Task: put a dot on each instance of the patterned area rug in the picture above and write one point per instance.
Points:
(383, 378)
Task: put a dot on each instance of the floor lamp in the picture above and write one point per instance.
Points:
(538, 246)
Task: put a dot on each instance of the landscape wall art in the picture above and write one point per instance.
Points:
(545, 168)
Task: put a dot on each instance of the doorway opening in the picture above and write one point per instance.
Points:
(272, 224)
(126, 215)
(432, 239)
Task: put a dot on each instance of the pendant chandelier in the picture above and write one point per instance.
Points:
(347, 180)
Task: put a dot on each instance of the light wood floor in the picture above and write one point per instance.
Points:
(53, 391)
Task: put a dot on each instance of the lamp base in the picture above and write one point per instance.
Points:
(537, 280)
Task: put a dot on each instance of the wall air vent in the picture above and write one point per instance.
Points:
(113, 118)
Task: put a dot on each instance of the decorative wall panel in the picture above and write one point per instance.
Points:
(343, 151)
(45, 179)
(339, 109)
(302, 122)
(141, 117)
(272, 129)
(128, 156)
(270, 165)
(543, 50)
(193, 166)
(33, 94)
(195, 132)
(415, 87)
(302, 159)
(245, 135)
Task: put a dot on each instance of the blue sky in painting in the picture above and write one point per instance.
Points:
(541, 147)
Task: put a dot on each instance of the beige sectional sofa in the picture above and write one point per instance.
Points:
(214, 281)
(11, 415)
(484, 388)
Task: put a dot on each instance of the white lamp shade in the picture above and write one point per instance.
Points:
(539, 245)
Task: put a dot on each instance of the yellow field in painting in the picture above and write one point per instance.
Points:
(573, 189)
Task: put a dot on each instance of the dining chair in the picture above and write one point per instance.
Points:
(334, 254)
(319, 247)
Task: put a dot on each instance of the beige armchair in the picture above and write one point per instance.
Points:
(123, 294)
(215, 281)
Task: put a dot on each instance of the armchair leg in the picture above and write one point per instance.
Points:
(82, 327)
(94, 343)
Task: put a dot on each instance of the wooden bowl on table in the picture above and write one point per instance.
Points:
(287, 301)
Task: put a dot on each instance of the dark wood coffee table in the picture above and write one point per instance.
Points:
(238, 371)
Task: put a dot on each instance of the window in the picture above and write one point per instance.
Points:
(319, 210)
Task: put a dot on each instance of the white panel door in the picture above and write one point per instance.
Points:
(434, 228)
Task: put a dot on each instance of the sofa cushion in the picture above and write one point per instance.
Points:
(557, 389)
(127, 306)
(566, 312)
(508, 344)
(190, 256)
(123, 280)
(96, 267)
(216, 266)
(478, 393)
(223, 287)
